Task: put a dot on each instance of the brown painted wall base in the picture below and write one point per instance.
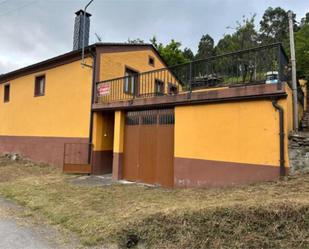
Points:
(102, 162)
(39, 149)
(117, 166)
(207, 173)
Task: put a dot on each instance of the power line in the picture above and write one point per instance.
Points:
(20, 7)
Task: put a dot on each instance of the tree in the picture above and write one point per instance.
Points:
(245, 36)
(227, 44)
(275, 26)
(302, 51)
(205, 47)
(171, 52)
(154, 42)
(305, 20)
(188, 54)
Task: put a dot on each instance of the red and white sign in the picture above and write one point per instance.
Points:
(104, 89)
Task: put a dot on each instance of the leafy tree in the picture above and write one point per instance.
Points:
(227, 44)
(205, 47)
(274, 26)
(302, 51)
(154, 42)
(245, 36)
(170, 52)
(188, 54)
(305, 20)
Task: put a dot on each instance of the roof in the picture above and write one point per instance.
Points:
(67, 58)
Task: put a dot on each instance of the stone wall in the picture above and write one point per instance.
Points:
(299, 152)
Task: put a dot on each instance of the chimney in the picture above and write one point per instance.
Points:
(78, 29)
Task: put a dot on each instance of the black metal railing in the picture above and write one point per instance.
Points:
(250, 66)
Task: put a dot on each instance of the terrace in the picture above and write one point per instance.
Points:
(255, 72)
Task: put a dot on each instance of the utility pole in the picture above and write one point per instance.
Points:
(293, 61)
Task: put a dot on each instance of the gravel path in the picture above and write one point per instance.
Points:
(20, 232)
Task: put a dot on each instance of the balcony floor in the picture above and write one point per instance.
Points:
(233, 93)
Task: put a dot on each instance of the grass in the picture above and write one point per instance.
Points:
(268, 215)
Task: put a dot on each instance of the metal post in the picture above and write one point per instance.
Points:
(190, 78)
(279, 84)
(84, 27)
(293, 61)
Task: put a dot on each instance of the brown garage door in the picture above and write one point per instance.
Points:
(149, 147)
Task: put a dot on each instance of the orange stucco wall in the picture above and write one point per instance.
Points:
(240, 132)
(103, 132)
(63, 111)
(303, 84)
(289, 103)
(112, 64)
(119, 131)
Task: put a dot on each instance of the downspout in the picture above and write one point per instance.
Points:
(281, 135)
(92, 98)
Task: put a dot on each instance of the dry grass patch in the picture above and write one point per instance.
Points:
(269, 215)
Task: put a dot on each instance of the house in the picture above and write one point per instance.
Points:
(121, 110)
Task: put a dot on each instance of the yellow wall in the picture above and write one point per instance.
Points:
(103, 131)
(113, 64)
(64, 111)
(119, 131)
(303, 84)
(301, 108)
(242, 132)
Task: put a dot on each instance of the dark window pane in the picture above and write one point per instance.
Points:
(39, 87)
(172, 89)
(6, 93)
(151, 61)
(130, 81)
(159, 87)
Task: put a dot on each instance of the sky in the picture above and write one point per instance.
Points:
(35, 30)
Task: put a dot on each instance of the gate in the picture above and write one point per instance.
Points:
(77, 158)
(149, 147)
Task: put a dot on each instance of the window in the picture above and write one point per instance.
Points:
(6, 97)
(151, 61)
(159, 87)
(130, 81)
(39, 86)
(172, 89)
